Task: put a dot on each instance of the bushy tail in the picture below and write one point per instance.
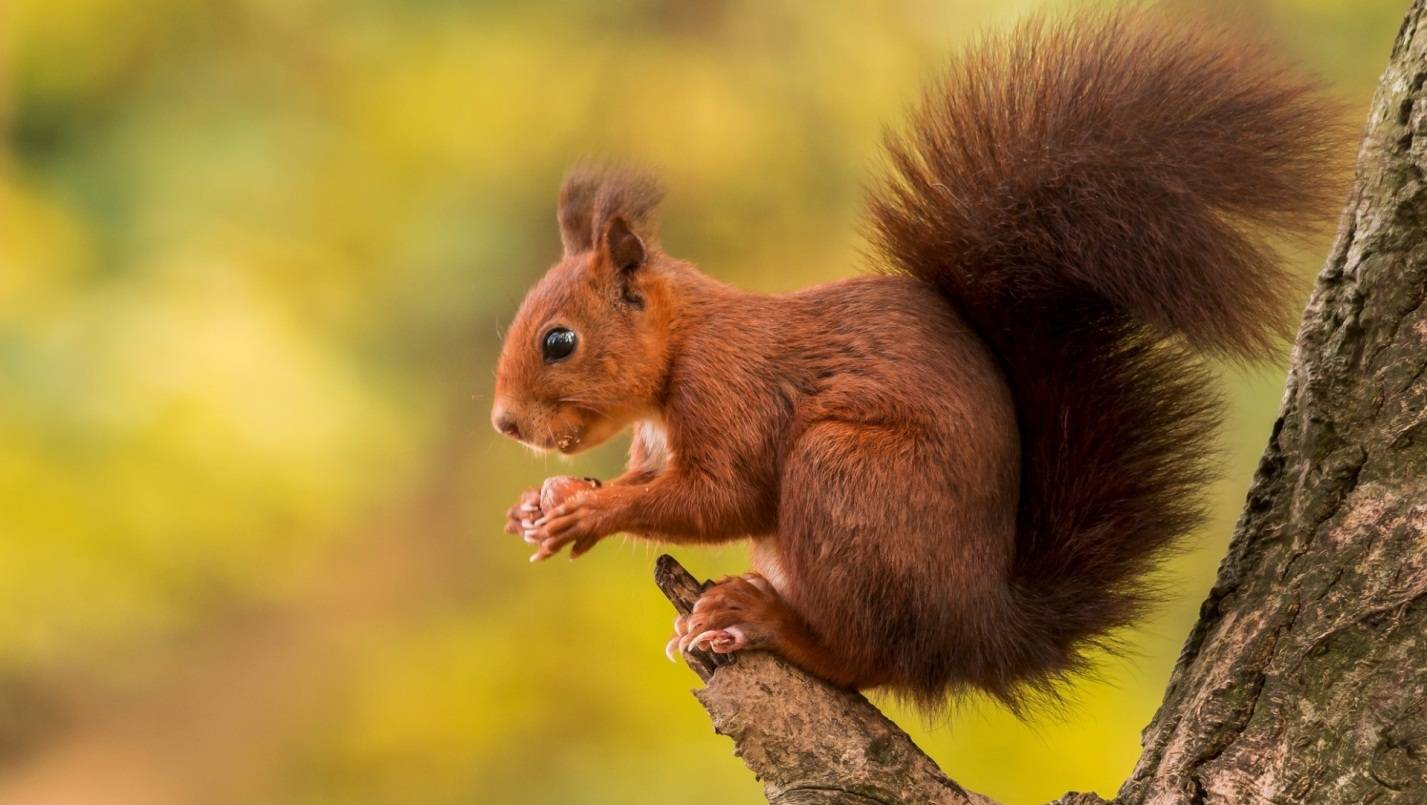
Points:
(1092, 195)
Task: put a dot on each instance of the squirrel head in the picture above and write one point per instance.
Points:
(587, 353)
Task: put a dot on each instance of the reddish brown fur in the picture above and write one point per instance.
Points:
(947, 495)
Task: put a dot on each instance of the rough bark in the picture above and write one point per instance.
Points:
(1305, 679)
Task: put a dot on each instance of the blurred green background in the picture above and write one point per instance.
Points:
(255, 256)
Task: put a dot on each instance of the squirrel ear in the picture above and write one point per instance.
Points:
(623, 248)
(625, 251)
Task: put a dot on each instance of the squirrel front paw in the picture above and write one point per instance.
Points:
(569, 514)
(521, 517)
(526, 517)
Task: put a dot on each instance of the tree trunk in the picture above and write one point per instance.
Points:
(1305, 679)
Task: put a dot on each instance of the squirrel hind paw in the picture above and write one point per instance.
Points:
(737, 613)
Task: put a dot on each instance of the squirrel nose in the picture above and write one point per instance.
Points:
(504, 422)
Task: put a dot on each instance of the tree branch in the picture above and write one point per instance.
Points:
(807, 741)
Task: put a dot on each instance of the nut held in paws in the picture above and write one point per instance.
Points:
(558, 489)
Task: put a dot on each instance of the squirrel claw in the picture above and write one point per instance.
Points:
(729, 641)
(686, 642)
(720, 641)
(699, 639)
(674, 646)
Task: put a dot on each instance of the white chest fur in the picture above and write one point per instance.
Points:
(653, 444)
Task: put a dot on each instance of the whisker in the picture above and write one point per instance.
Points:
(585, 404)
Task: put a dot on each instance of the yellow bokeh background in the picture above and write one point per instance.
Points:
(255, 258)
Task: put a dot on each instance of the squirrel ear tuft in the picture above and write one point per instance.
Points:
(592, 197)
(623, 248)
(576, 209)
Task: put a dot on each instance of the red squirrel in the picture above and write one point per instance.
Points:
(956, 472)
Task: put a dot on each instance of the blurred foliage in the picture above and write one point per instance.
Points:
(254, 260)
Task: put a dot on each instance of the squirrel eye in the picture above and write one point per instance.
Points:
(559, 343)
